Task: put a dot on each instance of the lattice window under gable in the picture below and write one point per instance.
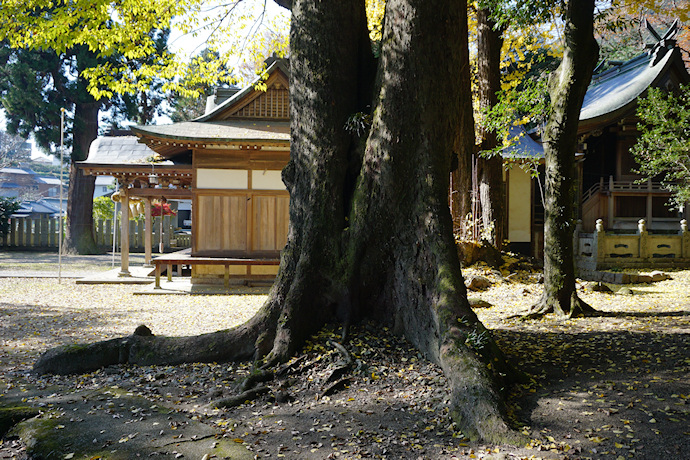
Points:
(274, 103)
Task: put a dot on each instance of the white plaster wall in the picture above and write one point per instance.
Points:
(227, 179)
(267, 180)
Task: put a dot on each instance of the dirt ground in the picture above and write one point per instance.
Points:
(616, 386)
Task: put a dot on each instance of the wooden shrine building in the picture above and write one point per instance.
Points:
(608, 186)
(238, 149)
(140, 177)
(608, 130)
(229, 163)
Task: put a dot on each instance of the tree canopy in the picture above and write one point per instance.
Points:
(663, 148)
(119, 33)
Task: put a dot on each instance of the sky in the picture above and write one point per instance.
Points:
(186, 45)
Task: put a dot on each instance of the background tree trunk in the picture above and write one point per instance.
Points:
(79, 238)
(490, 169)
(567, 89)
(461, 191)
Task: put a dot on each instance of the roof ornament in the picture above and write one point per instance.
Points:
(664, 43)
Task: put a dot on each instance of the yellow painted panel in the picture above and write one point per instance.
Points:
(519, 206)
(264, 269)
(217, 270)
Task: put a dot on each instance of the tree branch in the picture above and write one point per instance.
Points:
(285, 4)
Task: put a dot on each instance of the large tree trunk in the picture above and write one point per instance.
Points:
(408, 273)
(370, 230)
(79, 238)
(461, 176)
(490, 169)
(567, 89)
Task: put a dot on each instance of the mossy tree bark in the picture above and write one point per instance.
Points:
(370, 229)
(567, 88)
(405, 265)
(490, 168)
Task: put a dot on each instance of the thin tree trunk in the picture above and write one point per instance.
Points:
(79, 238)
(490, 169)
(567, 89)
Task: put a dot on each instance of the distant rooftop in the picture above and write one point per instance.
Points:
(16, 171)
(523, 147)
(120, 150)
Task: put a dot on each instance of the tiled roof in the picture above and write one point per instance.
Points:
(524, 146)
(118, 150)
(617, 88)
(220, 131)
(16, 171)
(122, 150)
(48, 180)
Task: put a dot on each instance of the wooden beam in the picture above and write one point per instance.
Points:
(175, 193)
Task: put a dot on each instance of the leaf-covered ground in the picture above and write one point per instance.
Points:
(616, 386)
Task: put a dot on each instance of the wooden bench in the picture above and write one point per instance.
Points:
(185, 258)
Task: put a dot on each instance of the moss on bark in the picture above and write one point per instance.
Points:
(568, 86)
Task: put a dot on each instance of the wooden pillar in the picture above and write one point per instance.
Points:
(161, 243)
(648, 216)
(148, 231)
(611, 208)
(599, 249)
(124, 233)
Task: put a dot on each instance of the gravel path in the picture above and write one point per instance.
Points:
(45, 264)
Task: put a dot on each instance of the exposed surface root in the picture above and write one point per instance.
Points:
(337, 386)
(243, 397)
(576, 308)
(260, 376)
(475, 404)
(229, 345)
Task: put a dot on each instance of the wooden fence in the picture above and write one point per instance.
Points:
(42, 233)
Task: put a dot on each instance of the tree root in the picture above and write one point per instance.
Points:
(576, 308)
(347, 359)
(143, 348)
(260, 376)
(291, 366)
(241, 398)
(475, 407)
(336, 387)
